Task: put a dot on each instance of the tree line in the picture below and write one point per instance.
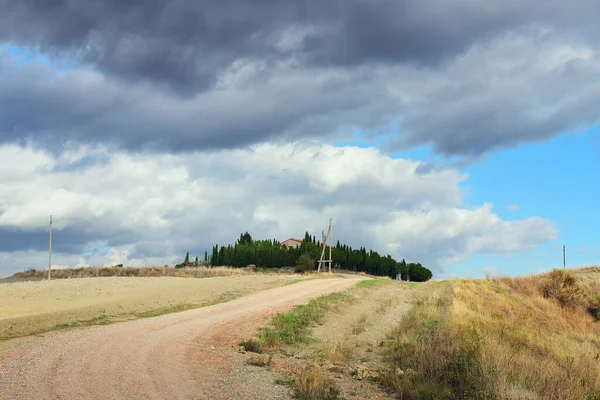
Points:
(273, 254)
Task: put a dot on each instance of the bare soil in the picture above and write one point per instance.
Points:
(33, 307)
(185, 355)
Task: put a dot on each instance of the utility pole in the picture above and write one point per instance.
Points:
(330, 243)
(50, 250)
(326, 240)
(564, 257)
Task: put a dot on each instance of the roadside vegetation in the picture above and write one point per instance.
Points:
(530, 338)
(507, 338)
(312, 365)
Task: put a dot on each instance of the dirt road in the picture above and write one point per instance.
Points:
(166, 357)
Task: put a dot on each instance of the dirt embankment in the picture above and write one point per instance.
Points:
(32, 307)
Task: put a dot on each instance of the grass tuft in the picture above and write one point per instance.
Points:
(253, 346)
(339, 353)
(360, 325)
(284, 381)
(313, 384)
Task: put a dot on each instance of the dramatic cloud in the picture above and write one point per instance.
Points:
(464, 77)
(120, 206)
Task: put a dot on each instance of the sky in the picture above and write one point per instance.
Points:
(458, 134)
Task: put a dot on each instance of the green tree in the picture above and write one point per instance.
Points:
(187, 258)
(196, 263)
(245, 238)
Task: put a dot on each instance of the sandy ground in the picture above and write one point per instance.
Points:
(32, 307)
(185, 355)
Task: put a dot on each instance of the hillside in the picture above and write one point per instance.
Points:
(536, 337)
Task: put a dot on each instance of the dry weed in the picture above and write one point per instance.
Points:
(312, 383)
(360, 325)
(260, 361)
(339, 353)
(252, 345)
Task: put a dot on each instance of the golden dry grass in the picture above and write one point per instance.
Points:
(505, 338)
(536, 333)
(339, 353)
(360, 325)
(312, 383)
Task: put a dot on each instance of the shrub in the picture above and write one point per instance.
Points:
(594, 307)
(563, 287)
(304, 264)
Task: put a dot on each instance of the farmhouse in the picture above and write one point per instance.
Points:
(294, 243)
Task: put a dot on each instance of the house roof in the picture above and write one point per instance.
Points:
(300, 241)
(293, 239)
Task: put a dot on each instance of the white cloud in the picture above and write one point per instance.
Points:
(141, 209)
(513, 207)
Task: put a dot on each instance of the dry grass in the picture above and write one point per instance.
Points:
(509, 338)
(252, 345)
(260, 361)
(428, 359)
(313, 384)
(360, 325)
(339, 353)
(200, 272)
(536, 333)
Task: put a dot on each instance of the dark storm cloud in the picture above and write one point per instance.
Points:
(317, 70)
(185, 43)
(69, 240)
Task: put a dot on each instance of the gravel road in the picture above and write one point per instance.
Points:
(166, 357)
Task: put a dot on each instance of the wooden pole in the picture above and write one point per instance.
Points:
(564, 257)
(50, 251)
(330, 234)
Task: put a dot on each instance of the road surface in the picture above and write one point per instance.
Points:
(166, 357)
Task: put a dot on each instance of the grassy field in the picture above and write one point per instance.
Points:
(37, 306)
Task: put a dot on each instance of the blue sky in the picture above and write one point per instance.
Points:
(556, 180)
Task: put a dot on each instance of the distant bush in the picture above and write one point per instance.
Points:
(304, 264)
